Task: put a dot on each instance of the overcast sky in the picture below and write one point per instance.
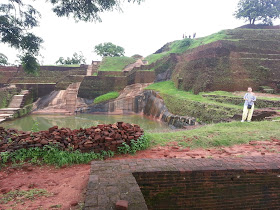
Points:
(140, 29)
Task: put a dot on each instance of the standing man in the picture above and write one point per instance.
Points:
(249, 106)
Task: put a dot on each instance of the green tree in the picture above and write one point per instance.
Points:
(255, 10)
(76, 59)
(3, 60)
(108, 49)
(17, 18)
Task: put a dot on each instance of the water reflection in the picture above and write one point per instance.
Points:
(82, 121)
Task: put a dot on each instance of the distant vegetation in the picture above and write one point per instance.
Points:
(76, 59)
(115, 63)
(181, 46)
(106, 97)
(108, 49)
(18, 18)
(254, 10)
(3, 60)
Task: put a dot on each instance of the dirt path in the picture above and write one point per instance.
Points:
(254, 148)
(66, 186)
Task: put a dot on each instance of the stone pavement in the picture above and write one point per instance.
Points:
(113, 180)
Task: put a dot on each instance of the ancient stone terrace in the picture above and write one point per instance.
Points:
(227, 183)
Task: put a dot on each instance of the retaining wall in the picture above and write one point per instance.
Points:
(226, 183)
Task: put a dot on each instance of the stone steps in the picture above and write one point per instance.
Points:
(89, 70)
(8, 110)
(18, 100)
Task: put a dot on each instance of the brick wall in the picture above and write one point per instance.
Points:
(224, 183)
(210, 190)
(94, 86)
(112, 73)
(141, 77)
(38, 90)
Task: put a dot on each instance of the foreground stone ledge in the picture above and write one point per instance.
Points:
(114, 180)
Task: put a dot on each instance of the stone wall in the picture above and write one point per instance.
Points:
(224, 183)
(94, 86)
(47, 74)
(210, 189)
(7, 73)
(260, 103)
(141, 77)
(112, 73)
(38, 90)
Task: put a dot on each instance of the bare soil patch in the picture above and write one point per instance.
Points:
(66, 186)
(254, 148)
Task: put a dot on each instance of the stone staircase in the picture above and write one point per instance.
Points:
(89, 70)
(60, 102)
(71, 97)
(16, 104)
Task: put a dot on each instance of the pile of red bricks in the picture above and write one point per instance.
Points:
(100, 138)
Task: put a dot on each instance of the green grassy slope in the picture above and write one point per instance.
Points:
(181, 46)
(188, 104)
(115, 63)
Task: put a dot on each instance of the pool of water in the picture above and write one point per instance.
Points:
(82, 121)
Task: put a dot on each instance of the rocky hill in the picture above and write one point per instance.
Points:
(230, 60)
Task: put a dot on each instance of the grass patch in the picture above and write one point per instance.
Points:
(115, 63)
(19, 196)
(181, 46)
(51, 155)
(168, 88)
(106, 97)
(217, 135)
(185, 103)
(219, 93)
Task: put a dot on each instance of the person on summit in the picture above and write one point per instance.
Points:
(249, 106)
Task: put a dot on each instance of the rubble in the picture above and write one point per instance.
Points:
(96, 139)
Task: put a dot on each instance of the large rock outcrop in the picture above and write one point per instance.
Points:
(246, 58)
(135, 99)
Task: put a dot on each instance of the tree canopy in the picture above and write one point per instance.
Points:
(258, 10)
(108, 49)
(76, 59)
(17, 18)
(3, 60)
